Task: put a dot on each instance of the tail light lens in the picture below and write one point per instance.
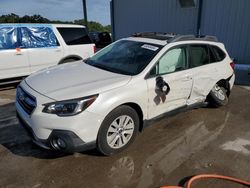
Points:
(232, 65)
(94, 48)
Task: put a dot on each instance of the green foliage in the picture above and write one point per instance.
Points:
(94, 26)
(13, 18)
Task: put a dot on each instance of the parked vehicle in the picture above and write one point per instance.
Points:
(101, 39)
(27, 48)
(107, 99)
(94, 36)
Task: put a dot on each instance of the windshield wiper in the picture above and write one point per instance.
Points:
(92, 63)
(103, 67)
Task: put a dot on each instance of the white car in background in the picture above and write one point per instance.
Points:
(106, 100)
(27, 48)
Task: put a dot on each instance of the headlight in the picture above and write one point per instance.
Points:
(69, 107)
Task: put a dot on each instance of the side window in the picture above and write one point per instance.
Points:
(74, 36)
(199, 55)
(218, 53)
(173, 60)
(212, 57)
(8, 38)
(38, 37)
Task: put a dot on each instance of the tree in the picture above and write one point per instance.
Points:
(13, 18)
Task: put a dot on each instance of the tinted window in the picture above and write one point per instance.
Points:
(212, 58)
(199, 55)
(218, 53)
(173, 60)
(8, 38)
(125, 57)
(74, 36)
(38, 37)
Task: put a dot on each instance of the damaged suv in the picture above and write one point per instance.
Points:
(104, 101)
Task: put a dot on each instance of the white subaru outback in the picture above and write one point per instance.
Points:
(104, 101)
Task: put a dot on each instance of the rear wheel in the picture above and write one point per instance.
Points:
(218, 96)
(118, 130)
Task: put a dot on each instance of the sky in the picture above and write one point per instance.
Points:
(65, 10)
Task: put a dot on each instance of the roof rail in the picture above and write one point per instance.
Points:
(171, 37)
(179, 38)
(155, 35)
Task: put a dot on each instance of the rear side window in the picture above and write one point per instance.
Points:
(212, 58)
(38, 37)
(199, 55)
(218, 53)
(8, 38)
(74, 36)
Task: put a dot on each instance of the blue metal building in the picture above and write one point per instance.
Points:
(229, 20)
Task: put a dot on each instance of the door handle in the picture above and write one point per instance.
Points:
(58, 50)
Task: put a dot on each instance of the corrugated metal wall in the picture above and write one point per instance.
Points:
(132, 16)
(229, 20)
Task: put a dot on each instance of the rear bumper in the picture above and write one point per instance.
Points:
(72, 143)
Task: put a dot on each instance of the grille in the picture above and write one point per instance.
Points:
(26, 101)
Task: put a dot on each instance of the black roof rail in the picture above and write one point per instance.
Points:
(171, 37)
(155, 35)
(179, 38)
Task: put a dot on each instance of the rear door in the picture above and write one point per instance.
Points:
(14, 61)
(42, 45)
(204, 71)
(171, 68)
(77, 41)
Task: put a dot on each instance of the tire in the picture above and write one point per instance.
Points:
(218, 96)
(114, 136)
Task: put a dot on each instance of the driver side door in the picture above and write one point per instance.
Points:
(172, 70)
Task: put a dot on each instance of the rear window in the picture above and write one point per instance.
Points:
(74, 36)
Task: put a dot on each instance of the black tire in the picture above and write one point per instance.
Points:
(102, 143)
(214, 100)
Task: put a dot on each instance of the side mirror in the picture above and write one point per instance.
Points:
(162, 85)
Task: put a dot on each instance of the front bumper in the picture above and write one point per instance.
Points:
(72, 143)
(79, 132)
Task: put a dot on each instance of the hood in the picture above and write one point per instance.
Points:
(74, 80)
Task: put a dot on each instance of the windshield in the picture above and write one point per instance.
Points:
(125, 57)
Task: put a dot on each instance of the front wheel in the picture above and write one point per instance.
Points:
(218, 96)
(118, 130)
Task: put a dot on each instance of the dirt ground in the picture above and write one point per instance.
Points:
(204, 140)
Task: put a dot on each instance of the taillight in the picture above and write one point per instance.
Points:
(232, 65)
(94, 48)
